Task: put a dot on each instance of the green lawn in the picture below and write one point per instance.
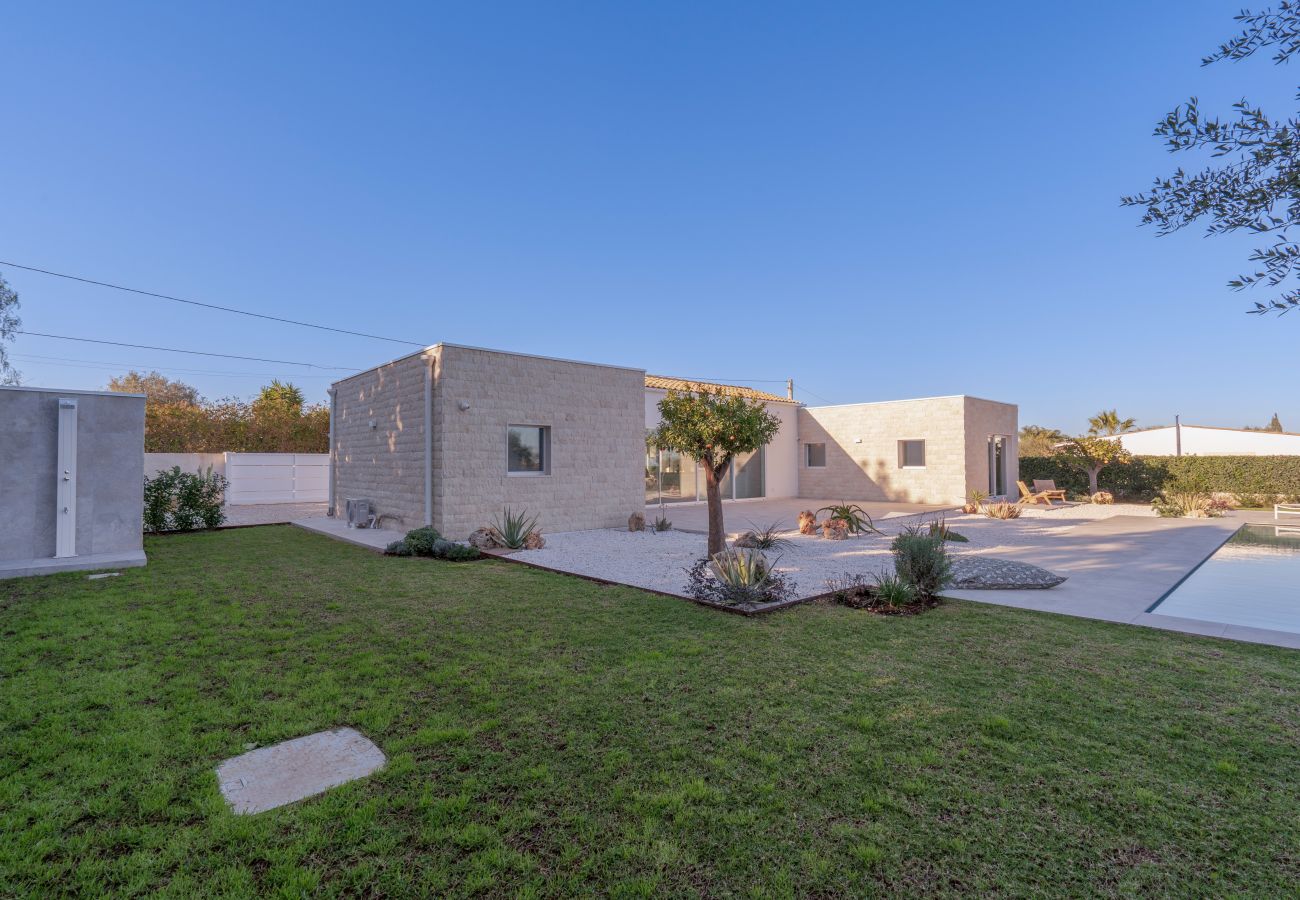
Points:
(548, 735)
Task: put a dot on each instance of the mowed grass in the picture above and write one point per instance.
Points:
(550, 736)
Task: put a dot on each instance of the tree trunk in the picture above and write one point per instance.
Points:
(712, 491)
(1092, 479)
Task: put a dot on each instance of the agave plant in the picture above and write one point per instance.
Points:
(1003, 510)
(514, 528)
(974, 498)
(769, 538)
(741, 568)
(939, 528)
(854, 517)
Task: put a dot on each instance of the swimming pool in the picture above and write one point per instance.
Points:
(1252, 580)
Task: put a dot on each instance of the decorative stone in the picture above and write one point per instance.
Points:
(748, 539)
(283, 773)
(534, 541)
(988, 573)
(1104, 498)
(835, 529)
(808, 522)
(486, 539)
(636, 522)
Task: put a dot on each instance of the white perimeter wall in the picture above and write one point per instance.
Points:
(1201, 441)
(781, 475)
(256, 477)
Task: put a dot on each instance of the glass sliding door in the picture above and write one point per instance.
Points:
(998, 464)
(671, 477)
(675, 483)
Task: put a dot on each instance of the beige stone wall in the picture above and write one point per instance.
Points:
(862, 456)
(985, 418)
(384, 463)
(597, 419)
(862, 450)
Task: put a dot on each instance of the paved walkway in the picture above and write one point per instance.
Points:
(1119, 567)
(371, 538)
(742, 515)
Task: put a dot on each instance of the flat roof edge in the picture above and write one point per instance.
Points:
(50, 390)
(913, 400)
(440, 344)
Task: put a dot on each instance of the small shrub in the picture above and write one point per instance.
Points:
(1221, 503)
(884, 593)
(515, 528)
(1185, 505)
(733, 577)
(454, 552)
(418, 543)
(974, 499)
(661, 521)
(893, 591)
(421, 540)
(921, 561)
(1001, 510)
(855, 518)
(1103, 498)
(184, 501)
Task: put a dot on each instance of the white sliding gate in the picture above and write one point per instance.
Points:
(277, 478)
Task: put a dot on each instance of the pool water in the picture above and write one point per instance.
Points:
(1252, 580)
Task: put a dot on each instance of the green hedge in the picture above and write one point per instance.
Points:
(1146, 476)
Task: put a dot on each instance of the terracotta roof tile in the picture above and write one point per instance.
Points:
(663, 383)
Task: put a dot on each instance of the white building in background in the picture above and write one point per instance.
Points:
(1207, 440)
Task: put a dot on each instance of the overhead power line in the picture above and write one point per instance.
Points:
(66, 362)
(241, 312)
(283, 362)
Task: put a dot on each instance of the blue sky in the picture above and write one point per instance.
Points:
(880, 201)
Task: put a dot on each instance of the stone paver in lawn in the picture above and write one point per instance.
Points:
(284, 773)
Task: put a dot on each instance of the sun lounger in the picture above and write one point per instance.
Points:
(1047, 487)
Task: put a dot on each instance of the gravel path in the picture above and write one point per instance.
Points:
(660, 561)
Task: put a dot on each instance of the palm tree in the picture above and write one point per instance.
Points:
(1108, 422)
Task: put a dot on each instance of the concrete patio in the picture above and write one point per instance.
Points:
(370, 538)
(1118, 567)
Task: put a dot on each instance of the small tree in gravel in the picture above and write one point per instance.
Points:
(712, 428)
(1092, 454)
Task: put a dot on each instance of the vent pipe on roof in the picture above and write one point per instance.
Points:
(1178, 436)
(789, 389)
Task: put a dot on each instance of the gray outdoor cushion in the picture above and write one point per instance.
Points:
(988, 573)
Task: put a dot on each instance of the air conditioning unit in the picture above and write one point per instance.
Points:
(359, 512)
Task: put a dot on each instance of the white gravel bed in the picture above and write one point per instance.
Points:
(659, 561)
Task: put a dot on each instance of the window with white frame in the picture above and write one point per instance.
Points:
(528, 450)
(911, 454)
(814, 456)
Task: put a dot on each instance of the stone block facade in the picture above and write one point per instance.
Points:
(597, 439)
(378, 452)
(864, 457)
